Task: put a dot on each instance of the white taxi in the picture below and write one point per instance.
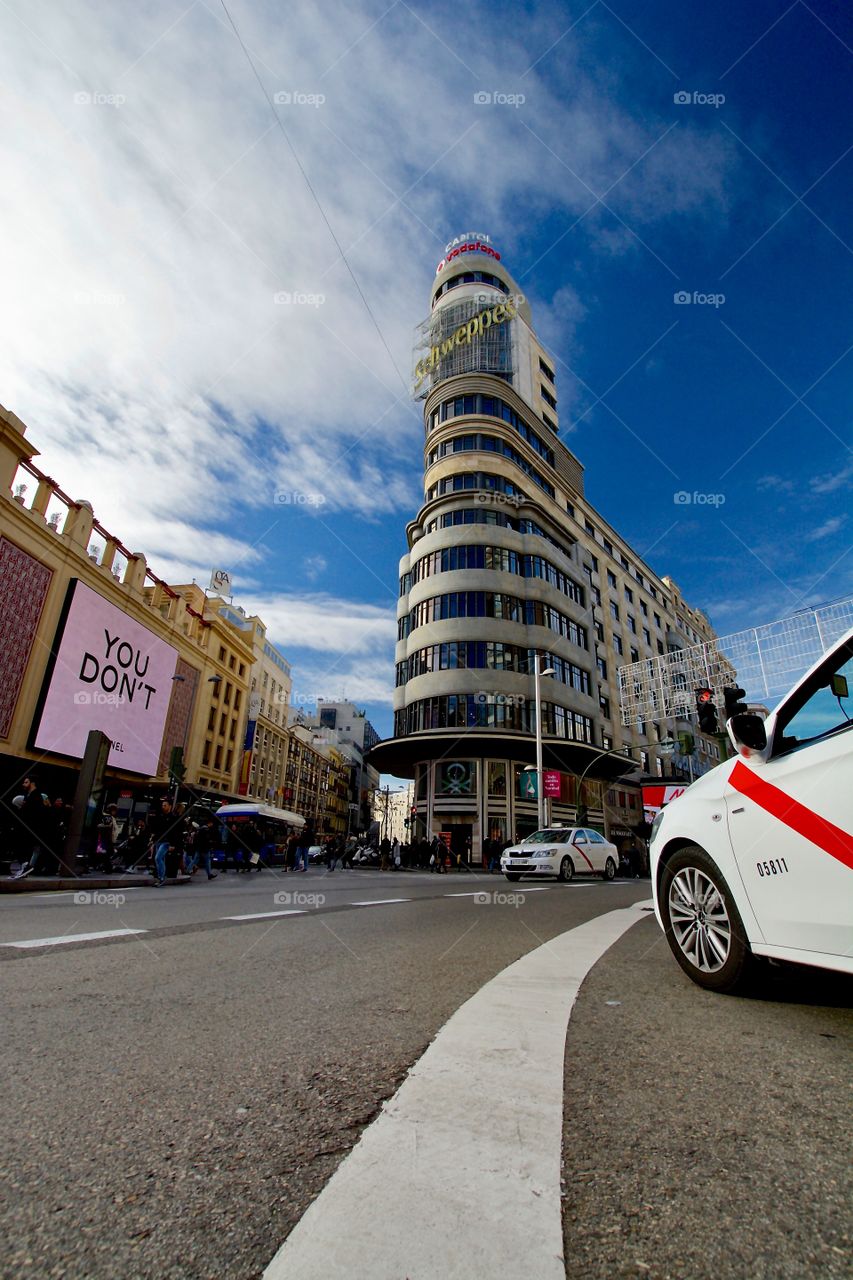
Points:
(756, 858)
(562, 852)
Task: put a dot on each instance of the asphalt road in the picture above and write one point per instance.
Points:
(176, 1098)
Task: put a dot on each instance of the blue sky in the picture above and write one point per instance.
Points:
(155, 216)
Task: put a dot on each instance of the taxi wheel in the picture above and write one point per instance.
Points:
(512, 876)
(567, 870)
(610, 869)
(702, 924)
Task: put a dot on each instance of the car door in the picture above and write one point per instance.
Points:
(583, 851)
(790, 818)
(598, 848)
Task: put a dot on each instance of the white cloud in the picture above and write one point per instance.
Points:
(145, 241)
(825, 530)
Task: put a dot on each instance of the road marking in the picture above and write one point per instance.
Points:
(73, 937)
(379, 902)
(264, 915)
(450, 1154)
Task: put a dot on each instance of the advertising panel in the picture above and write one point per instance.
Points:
(109, 673)
(552, 783)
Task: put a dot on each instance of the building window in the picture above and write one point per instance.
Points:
(602, 668)
(611, 580)
(570, 510)
(604, 704)
(590, 528)
(549, 373)
(629, 595)
(205, 755)
(614, 610)
(647, 636)
(617, 644)
(635, 655)
(549, 422)
(644, 608)
(657, 620)
(608, 546)
(547, 397)
(632, 623)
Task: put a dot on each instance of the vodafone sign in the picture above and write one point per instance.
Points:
(470, 242)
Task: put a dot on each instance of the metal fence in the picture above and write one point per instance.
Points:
(765, 661)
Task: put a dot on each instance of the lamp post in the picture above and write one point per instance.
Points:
(538, 673)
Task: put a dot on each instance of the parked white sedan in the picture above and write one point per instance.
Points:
(563, 852)
(756, 858)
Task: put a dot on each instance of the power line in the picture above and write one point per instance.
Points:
(316, 198)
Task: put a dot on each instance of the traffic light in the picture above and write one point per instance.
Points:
(707, 712)
(733, 696)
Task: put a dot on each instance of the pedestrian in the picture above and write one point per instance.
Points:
(384, 854)
(166, 830)
(205, 838)
(136, 845)
(396, 855)
(290, 849)
(306, 839)
(33, 817)
(333, 852)
(349, 849)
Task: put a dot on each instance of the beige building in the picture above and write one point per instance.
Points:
(507, 560)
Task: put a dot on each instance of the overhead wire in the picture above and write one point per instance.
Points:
(315, 196)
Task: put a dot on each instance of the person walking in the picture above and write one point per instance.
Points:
(347, 855)
(32, 815)
(306, 839)
(384, 854)
(204, 841)
(333, 852)
(166, 836)
(396, 856)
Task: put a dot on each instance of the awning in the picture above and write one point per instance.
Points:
(398, 756)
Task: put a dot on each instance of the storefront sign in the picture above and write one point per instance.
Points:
(551, 783)
(464, 335)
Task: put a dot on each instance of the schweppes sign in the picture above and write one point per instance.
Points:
(465, 335)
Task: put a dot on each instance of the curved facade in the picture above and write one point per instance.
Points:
(497, 570)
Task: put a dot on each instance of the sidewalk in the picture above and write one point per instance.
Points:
(94, 880)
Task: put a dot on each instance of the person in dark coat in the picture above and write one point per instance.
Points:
(33, 816)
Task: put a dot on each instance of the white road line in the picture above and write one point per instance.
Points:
(470, 1143)
(265, 915)
(475, 894)
(379, 902)
(73, 937)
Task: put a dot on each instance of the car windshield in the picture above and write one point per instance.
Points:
(551, 835)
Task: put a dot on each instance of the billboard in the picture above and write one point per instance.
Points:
(110, 673)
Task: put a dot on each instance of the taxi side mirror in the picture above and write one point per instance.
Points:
(747, 730)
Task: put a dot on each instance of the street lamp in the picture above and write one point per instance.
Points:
(538, 673)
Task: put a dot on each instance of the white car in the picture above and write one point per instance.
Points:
(756, 858)
(562, 852)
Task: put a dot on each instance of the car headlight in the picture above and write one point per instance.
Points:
(544, 853)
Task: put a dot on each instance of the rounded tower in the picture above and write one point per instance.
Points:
(493, 575)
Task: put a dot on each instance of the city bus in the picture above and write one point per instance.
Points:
(248, 829)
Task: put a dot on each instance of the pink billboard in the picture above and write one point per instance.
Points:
(109, 673)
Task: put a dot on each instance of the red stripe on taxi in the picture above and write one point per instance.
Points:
(837, 843)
